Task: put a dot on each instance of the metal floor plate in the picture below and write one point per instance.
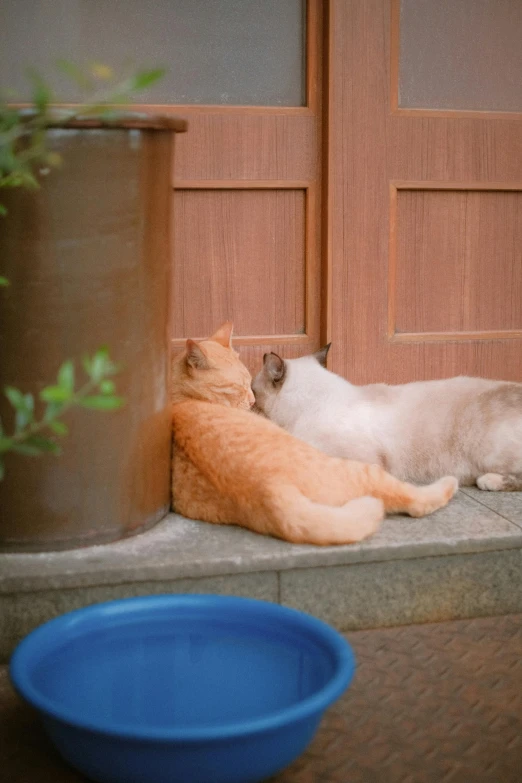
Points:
(438, 703)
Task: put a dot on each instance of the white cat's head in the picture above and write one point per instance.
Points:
(285, 387)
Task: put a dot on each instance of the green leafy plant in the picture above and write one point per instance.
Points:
(25, 157)
(24, 152)
(34, 436)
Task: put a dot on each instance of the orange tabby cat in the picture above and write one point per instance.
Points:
(233, 467)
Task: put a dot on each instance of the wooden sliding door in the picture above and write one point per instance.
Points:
(425, 189)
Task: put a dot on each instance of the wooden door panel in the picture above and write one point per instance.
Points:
(458, 263)
(246, 143)
(465, 149)
(423, 220)
(240, 255)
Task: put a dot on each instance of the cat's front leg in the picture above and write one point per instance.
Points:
(497, 482)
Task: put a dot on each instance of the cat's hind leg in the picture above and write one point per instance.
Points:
(498, 482)
(294, 517)
(400, 496)
(431, 497)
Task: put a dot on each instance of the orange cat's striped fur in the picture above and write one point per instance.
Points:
(231, 466)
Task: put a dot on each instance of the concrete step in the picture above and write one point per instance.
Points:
(463, 561)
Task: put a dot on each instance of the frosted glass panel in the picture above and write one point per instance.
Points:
(216, 51)
(461, 54)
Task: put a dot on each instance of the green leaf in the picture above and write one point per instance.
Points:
(3, 211)
(101, 403)
(28, 180)
(26, 449)
(146, 78)
(42, 95)
(22, 419)
(5, 444)
(59, 427)
(55, 394)
(87, 365)
(24, 413)
(3, 280)
(75, 73)
(42, 443)
(99, 363)
(15, 397)
(2, 469)
(107, 387)
(52, 410)
(102, 71)
(18, 179)
(66, 376)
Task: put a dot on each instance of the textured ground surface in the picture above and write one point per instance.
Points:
(438, 703)
(431, 704)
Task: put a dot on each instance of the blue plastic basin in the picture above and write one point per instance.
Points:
(182, 688)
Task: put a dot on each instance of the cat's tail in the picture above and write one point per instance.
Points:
(295, 518)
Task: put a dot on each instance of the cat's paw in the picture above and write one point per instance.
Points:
(434, 496)
(492, 482)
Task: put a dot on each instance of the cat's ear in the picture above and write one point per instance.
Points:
(223, 336)
(195, 356)
(322, 354)
(274, 367)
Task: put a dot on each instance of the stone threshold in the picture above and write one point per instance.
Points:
(463, 561)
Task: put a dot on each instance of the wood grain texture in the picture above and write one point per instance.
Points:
(247, 146)
(459, 261)
(370, 147)
(461, 336)
(252, 355)
(312, 54)
(454, 185)
(251, 351)
(326, 164)
(258, 340)
(213, 108)
(395, 52)
(240, 255)
(248, 218)
(241, 184)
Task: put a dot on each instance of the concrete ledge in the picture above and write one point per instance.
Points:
(425, 590)
(178, 548)
(463, 561)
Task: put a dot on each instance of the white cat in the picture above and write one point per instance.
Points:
(470, 428)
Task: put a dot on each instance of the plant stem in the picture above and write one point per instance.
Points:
(38, 426)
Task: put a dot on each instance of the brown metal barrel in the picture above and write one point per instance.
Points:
(88, 259)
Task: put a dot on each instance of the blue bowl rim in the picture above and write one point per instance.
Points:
(27, 652)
